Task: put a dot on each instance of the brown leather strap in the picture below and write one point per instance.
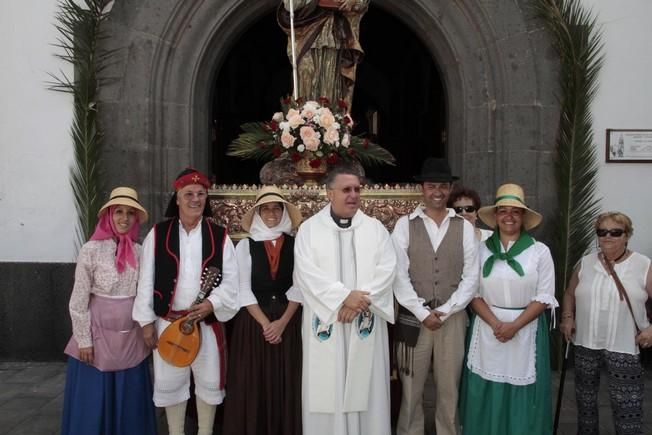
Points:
(621, 290)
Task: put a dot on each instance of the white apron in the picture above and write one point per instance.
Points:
(512, 362)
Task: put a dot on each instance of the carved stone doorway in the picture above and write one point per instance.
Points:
(399, 95)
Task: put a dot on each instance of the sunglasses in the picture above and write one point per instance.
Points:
(617, 232)
(466, 208)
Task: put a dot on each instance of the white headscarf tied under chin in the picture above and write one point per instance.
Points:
(260, 232)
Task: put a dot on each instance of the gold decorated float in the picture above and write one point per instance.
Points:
(384, 202)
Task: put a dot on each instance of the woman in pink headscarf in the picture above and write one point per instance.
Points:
(108, 387)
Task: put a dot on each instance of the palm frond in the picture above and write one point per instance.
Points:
(371, 154)
(78, 26)
(578, 42)
(254, 143)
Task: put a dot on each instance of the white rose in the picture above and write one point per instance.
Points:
(332, 136)
(311, 105)
(346, 140)
(278, 117)
(301, 148)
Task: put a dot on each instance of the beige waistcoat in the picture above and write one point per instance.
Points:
(436, 275)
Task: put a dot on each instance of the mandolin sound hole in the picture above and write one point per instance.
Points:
(186, 328)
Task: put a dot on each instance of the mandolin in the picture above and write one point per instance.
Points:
(179, 343)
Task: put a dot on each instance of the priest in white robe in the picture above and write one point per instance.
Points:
(344, 267)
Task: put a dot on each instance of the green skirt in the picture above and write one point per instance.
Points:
(493, 408)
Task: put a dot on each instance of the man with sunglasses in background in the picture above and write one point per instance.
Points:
(437, 276)
(344, 267)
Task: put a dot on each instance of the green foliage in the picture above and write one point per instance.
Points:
(256, 142)
(578, 42)
(79, 34)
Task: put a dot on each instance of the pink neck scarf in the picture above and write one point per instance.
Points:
(124, 254)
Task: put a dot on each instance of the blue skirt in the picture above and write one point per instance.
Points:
(108, 403)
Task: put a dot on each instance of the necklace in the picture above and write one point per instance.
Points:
(617, 259)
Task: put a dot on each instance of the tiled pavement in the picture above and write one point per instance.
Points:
(31, 397)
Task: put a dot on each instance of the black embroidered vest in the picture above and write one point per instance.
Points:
(166, 259)
(262, 284)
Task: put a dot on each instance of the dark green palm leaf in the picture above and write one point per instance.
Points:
(578, 42)
(79, 31)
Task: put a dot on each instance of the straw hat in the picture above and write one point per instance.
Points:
(271, 194)
(510, 195)
(125, 196)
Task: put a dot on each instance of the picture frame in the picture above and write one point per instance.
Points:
(628, 146)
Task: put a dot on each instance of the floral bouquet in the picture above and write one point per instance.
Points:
(312, 130)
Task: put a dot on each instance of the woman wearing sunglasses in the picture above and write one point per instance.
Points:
(466, 203)
(604, 314)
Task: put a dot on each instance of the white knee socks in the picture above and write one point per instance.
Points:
(205, 417)
(176, 416)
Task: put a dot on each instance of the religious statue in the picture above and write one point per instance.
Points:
(327, 45)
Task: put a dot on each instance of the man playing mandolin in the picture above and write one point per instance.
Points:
(176, 253)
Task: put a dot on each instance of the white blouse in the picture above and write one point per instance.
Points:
(602, 320)
(539, 272)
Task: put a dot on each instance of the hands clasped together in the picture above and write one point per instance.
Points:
(355, 303)
(505, 331)
(273, 331)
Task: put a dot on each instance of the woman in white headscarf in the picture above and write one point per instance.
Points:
(264, 375)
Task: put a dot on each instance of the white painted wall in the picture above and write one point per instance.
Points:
(624, 100)
(37, 217)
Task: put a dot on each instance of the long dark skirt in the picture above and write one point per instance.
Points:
(107, 403)
(263, 381)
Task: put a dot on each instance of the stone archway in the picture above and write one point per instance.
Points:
(499, 69)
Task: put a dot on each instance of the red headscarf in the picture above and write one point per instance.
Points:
(105, 230)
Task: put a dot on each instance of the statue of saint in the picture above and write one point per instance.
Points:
(327, 45)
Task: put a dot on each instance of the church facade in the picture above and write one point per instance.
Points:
(498, 69)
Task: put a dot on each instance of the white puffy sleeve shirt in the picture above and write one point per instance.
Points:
(538, 267)
(246, 295)
(224, 297)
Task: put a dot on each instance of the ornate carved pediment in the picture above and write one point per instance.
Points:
(386, 203)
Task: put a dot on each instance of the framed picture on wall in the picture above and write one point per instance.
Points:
(629, 146)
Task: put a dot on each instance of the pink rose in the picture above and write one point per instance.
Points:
(326, 119)
(332, 136)
(311, 144)
(287, 140)
(309, 134)
(295, 120)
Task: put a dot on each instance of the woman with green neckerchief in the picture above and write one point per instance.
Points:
(506, 379)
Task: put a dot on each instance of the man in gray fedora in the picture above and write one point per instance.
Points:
(437, 276)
